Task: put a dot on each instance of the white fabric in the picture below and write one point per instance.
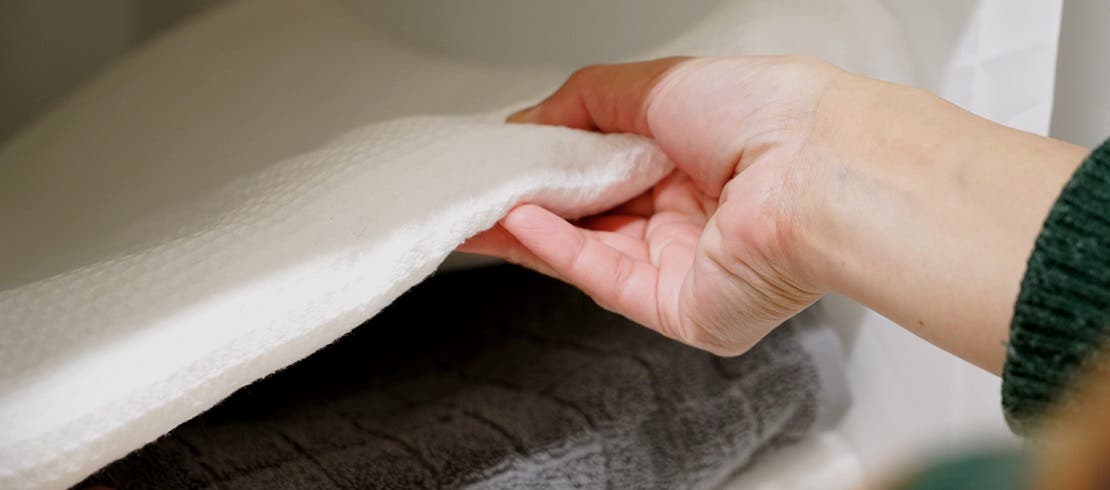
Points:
(157, 257)
(273, 267)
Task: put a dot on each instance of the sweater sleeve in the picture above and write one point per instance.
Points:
(1062, 313)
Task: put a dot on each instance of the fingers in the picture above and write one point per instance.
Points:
(498, 242)
(607, 98)
(622, 228)
(615, 279)
(623, 224)
(691, 117)
(623, 233)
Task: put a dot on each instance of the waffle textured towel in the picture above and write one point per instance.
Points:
(190, 222)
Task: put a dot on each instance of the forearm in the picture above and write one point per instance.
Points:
(946, 206)
(794, 179)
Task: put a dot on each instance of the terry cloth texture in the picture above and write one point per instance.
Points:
(189, 222)
(1062, 316)
(492, 378)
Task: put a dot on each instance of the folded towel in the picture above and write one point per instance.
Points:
(269, 269)
(188, 223)
(492, 378)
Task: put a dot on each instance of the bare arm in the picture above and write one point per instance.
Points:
(795, 179)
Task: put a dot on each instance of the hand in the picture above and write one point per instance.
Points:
(793, 179)
(697, 258)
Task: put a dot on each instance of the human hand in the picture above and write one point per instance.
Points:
(793, 179)
(671, 260)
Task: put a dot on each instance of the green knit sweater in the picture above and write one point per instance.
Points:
(1061, 320)
(1063, 311)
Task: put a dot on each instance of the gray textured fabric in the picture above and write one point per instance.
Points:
(492, 378)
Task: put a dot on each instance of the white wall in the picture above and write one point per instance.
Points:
(1082, 114)
(49, 47)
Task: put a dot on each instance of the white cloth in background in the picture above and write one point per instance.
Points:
(166, 245)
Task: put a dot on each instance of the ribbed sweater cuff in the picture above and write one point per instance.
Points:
(1061, 316)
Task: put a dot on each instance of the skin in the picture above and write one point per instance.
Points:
(795, 179)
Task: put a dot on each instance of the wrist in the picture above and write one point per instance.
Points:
(932, 221)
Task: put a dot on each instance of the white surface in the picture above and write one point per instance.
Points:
(49, 47)
(996, 59)
(824, 462)
(1082, 112)
(993, 57)
(910, 399)
(166, 245)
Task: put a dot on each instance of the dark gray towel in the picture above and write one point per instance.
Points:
(492, 378)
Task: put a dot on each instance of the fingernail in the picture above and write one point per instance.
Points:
(528, 115)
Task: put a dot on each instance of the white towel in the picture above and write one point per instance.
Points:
(164, 245)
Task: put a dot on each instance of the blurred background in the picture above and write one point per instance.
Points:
(49, 47)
